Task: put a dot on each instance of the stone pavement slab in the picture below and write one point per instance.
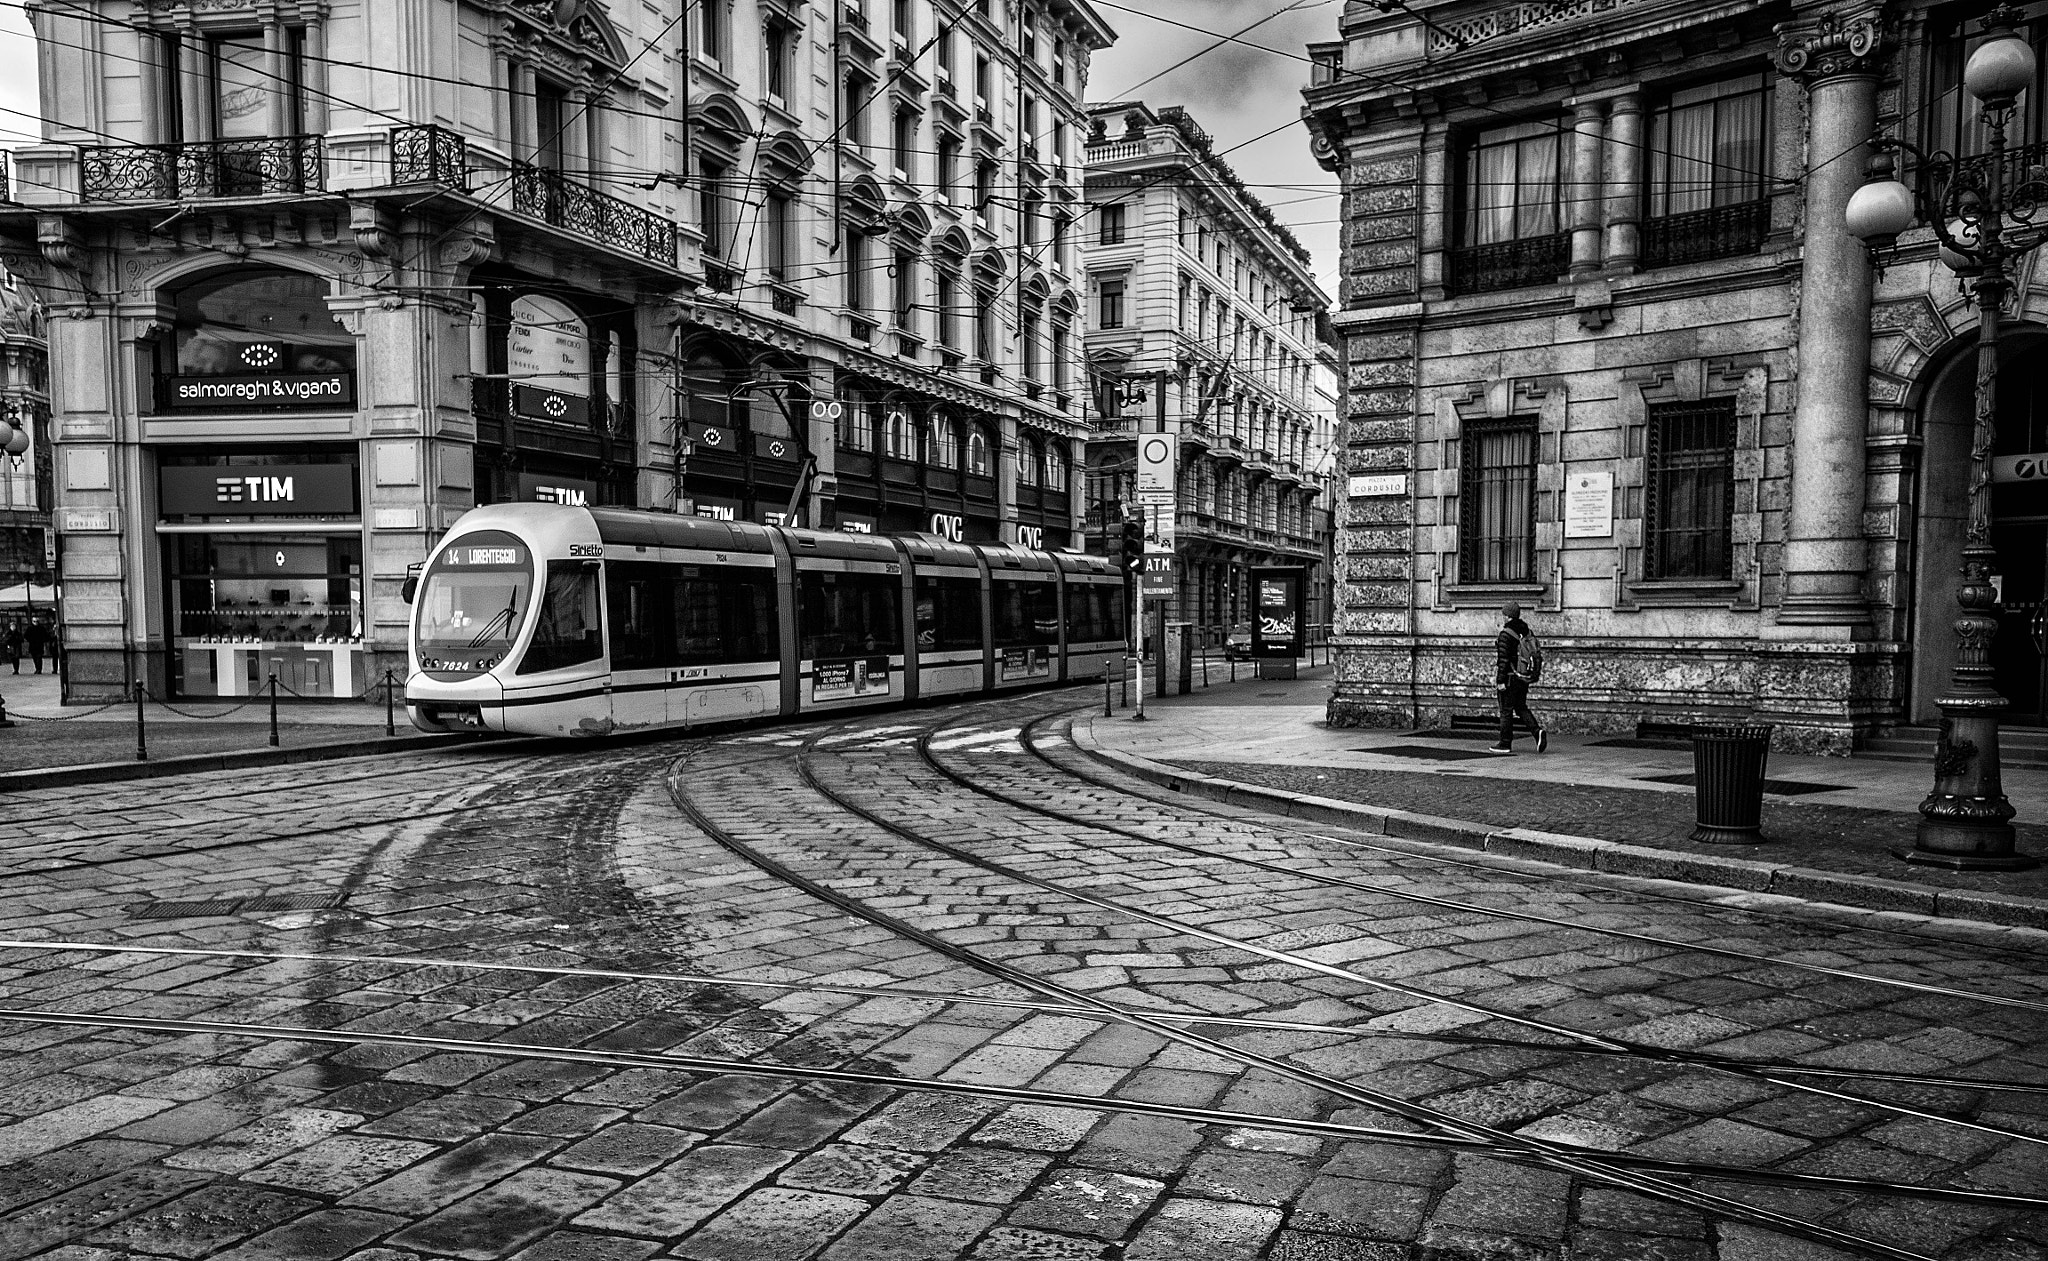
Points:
(1583, 803)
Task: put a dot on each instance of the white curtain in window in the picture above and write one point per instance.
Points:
(1535, 186)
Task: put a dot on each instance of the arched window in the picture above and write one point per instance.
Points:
(258, 338)
(1027, 462)
(978, 462)
(944, 448)
(856, 424)
(1055, 467)
(899, 435)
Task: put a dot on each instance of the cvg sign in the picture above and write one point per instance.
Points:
(949, 525)
(1031, 536)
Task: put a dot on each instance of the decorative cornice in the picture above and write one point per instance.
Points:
(1833, 45)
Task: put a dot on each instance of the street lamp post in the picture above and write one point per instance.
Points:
(1982, 214)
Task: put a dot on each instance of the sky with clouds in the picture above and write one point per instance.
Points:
(1235, 91)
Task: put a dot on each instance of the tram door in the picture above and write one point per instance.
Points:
(2020, 652)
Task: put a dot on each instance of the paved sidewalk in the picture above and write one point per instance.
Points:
(1591, 801)
(47, 733)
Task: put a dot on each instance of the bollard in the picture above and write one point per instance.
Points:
(273, 709)
(1205, 668)
(1106, 693)
(1123, 682)
(1233, 668)
(5, 721)
(141, 744)
(390, 725)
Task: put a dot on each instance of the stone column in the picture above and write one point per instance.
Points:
(1583, 212)
(1624, 181)
(315, 73)
(277, 72)
(195, 89)
(1835, 56)
(525, 135)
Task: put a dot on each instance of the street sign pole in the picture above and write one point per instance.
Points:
(1138, 649)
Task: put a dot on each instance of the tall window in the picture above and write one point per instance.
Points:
(857, 425)
(985, 326)
(550, 120)
(899, 435)
(899, 16)
(906, 288)
(1691, 471)
(949, 166)
(855, 118)
(1028, 213)
(1111, 309)
(981, 77)
(1055, 467)
(1951, 123)
(711, 37)
(778, 47)
(1027, 462)
(856, 251)
(778, 245)
(1031, 321)
(1511, 182)
(942, 56)
(904, 143)
(1707, 146)
(711, 207)
(1062, 351)
(979, 461)
(947, 292)
(1110, 217)
(1497, 509)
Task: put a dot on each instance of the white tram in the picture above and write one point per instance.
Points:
(541, 619)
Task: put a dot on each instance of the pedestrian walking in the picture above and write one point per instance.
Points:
(11, 644)
(1517, 663)
(39, 638)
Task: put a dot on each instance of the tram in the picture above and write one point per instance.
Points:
(548, 619)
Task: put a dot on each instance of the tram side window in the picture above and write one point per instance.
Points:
(724, 616)
(948, 614)
(1094, 612)
(636, 595)
(849, 615)
(569, 630)
(1026, 613)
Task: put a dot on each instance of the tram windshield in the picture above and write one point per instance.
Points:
(473, 601)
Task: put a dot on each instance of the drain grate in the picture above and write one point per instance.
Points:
(237, 906)
(1779, 787)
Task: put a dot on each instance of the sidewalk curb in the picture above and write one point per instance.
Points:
(1585, 853)
(197, 763)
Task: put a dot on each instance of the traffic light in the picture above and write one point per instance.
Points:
(1134, 542)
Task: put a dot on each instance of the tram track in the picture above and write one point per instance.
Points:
(1782, 1076)
(923, 747)
(1561, 1157)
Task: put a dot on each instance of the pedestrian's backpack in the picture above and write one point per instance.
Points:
(1528, 657)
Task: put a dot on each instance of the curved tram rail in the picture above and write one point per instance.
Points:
(1598, 1166)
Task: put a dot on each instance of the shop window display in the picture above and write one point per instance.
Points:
(246, 606)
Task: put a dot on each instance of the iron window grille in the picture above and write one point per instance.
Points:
(1690, 500)
(1497, 501)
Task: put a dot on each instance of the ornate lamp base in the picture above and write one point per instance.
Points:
(1966, 822)
(1962, 847)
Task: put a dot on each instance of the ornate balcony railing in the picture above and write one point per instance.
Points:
(426, 154)
(1699, 235)
(1535, 260)
(554, 198)
(210, 168)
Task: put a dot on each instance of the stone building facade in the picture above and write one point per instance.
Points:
(25, 491)
(1205, 320)
(1611, 354)
(321, 279)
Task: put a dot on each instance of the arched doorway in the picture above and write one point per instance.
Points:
(2019, 530)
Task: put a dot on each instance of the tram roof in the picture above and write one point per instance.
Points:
(1003, 556)
(930, 549)
(659, 529)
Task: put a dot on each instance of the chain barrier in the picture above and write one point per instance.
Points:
(183, 713)
(21, 717)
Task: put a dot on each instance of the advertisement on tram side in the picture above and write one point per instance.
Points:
(1026, 663)
(854, 676)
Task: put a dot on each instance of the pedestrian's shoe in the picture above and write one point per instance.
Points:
(1498, 748)
(1542, 739)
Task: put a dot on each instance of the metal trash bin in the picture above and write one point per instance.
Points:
(1728, 783)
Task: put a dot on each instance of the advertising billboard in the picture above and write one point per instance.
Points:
(1280, 611)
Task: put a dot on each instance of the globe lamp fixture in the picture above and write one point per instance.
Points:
(2002, 66)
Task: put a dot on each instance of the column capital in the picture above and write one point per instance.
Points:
(1844, 43)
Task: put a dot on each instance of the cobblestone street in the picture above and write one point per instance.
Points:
(940, 984)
